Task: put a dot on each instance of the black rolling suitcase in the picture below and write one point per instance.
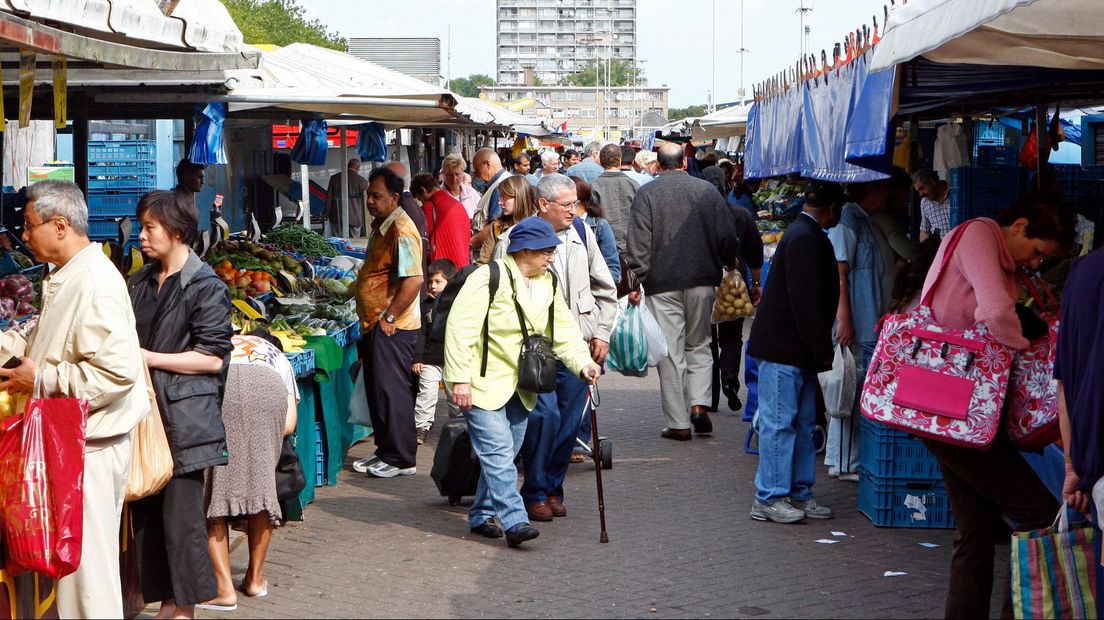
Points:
(455, 466)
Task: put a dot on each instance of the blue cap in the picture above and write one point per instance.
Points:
(532, 233)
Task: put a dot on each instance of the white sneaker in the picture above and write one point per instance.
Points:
(833, 472)
(361, 466)
(383, 470)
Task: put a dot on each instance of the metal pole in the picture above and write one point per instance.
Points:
(345, 172)
(304, 200)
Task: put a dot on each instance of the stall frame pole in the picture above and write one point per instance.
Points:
(345, 172)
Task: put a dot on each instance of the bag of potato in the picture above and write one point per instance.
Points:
(732, 300)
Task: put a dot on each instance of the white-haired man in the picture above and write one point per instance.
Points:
(550, 164)
(84, 346)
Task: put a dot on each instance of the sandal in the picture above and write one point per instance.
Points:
(578, 457)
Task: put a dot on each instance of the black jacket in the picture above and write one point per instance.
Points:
(681, 233)
(793, 325)
(427, 350)
(193, 315)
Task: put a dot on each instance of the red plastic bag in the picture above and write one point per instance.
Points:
(1029, 154)
(42, 487)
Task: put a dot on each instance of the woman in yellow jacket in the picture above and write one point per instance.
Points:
(497, 411)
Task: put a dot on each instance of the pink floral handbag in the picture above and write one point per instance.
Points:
(1031, 413)
(928, 380)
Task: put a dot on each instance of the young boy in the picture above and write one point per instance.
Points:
(430, 357)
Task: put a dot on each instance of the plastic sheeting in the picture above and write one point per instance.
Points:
(207, 146)
(371, 142)
(312, 147)
(819, 129)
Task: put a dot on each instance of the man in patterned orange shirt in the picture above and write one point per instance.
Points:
(387, 288)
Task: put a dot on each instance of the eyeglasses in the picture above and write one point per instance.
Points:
(568, 205)
(30, 227)
(549, 253)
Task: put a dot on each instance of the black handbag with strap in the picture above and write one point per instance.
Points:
(289, 472)
(537, 361)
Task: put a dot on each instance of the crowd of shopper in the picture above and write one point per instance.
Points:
(551, 248)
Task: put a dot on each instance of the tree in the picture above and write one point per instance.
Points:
(692, 111)
(469, 86)
(622, 73)
(280, 22)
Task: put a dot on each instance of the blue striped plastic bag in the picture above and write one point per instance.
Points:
(1054, 571)
(628, 351)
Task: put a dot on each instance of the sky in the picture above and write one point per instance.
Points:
(689, 45)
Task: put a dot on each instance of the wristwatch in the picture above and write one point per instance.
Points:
(390, 318)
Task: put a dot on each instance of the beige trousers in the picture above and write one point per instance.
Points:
(686, 375)
(95, 590)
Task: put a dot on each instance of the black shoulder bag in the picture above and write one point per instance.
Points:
(536, 362)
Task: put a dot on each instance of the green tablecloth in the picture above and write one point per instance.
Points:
(325, 398)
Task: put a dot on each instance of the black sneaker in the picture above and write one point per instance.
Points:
(488, 530)
(519, 534)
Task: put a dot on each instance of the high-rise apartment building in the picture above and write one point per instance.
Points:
(543, 41)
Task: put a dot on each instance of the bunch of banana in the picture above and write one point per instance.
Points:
(290, 341)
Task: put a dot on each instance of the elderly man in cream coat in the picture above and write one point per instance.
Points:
(84, 346)
(584, 281)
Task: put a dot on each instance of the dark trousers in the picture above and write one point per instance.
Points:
(728, 352)
(387, 383)
(170, 532)
(550, 437)
(983, 486)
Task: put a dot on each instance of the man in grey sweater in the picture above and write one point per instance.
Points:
(614, 190)
(681, 235)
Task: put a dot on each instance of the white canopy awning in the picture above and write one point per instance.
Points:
(1060, 34)
(724, 123)
(484, 112)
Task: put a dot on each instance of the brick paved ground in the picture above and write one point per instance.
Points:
(681, 543)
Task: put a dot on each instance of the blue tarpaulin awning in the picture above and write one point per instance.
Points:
(832, 129)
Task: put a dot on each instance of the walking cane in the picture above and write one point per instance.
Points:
(595, 400)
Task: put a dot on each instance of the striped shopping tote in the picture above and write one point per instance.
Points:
(1054, 571)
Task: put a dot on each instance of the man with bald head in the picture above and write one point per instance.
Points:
(487, 167)
(681, 236)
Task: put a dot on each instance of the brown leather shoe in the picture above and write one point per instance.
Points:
(677, 434)
(556, 506)
(539, 511)
(700, 419)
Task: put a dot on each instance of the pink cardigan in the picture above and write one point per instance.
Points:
(979, 284)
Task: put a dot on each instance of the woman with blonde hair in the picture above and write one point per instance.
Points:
(458, 184)
(518, 199)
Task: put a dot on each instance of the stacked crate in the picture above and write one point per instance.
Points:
(119, 173)
(984, 192)
(900, 483)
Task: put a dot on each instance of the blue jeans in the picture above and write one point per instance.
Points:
(496, 437)
(787, 418)
(549, 440)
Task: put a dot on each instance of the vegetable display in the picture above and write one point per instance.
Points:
(250, 256)
(17, 296)
(296, 238)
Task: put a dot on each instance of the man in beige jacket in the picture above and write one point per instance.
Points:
(84, 346)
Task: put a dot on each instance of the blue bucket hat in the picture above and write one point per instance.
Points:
(532, 233)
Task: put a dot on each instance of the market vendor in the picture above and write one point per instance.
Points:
(189, 179)
(84, 346)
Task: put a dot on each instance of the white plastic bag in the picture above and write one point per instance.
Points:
(838, 385)
(657, 344)
(358, 402)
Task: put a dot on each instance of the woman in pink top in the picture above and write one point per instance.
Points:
(980, 286)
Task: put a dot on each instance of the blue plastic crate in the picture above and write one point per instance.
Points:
(108, 228)
(302, 363)
(984, 192)
(997, 156)
(888, 453)
(122, 184)
(104, 151)
(123, 168)
(904, 503)
(320, 456)
(347, 335)
(113, 205)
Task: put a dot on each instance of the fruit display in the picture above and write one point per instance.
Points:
(295, 238)
(11, 405)
(17, 295)
(733, 300)
(247, 255)
(244, 282)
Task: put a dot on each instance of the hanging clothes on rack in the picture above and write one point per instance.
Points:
(951, 150)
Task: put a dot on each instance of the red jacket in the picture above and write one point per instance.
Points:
(448, 228)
